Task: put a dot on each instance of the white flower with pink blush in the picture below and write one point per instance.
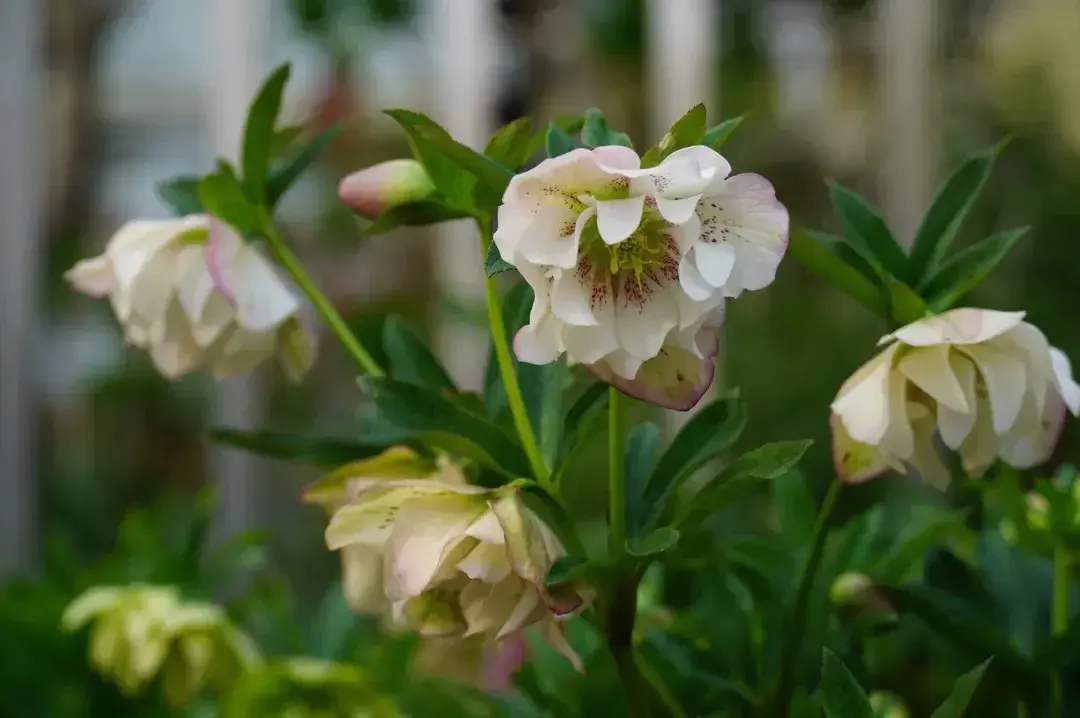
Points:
(194, 293)
(610, 251)
(987, 382)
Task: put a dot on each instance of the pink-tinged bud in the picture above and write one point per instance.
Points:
(374, 190)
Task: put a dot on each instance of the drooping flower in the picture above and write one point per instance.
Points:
(376, 189)
(142, 631)
(986, 382)
(609, 253)
(458, 560)
(193, 293)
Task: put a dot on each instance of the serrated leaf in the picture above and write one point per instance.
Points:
(964, 271)
(596, 133)
(410, 360)
(567, 124)
(259, 132)
(557, 142)
(494, 263)
(867, 233)
(946, 215)
(963, 691)
(223, 196)
(688, 130)
(413, 214)
(285, 173)
(841, 694)
(446, 424)
(717, 136)
(660, 540)
(509, 146)
(181, 194)
(817, 257)
(321, 451)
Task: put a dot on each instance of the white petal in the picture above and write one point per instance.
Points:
(1032, 438)
(1066, 385)
(863, 401)
(538, 342)
(688, 171)
(617, 219)
(426, 530)
(616, 158)
(925, 458)
(552, 237)
(929, 369)
(693, 284)
(586, 345)
(715, 262)
(137, 242)
(980, 448)
(677, 211)
(194, 285)
(263, 300)
(571, 298)
(512, 221)
(622, 364)
(899, 439)
(527, 605)
(92, 276)
(175, 352)
(853, 461)
(1006, 381)
(958, 326)
(955, 426)
(486, 562)
(644, 313)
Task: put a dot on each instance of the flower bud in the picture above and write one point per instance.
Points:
(887, 705)
(852, 589)
(373, 190)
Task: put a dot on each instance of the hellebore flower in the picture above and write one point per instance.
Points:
(193, 293)
(988, 383)
(141, 631)
(609, 250)
(373, 190)
(458, 560)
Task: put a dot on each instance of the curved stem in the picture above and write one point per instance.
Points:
(319, 300)
(792, 646)
(510, 377)
(616, 475)
(1060, 621)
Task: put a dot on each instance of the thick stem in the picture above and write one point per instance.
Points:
(792, 646)
(1060, 621)
(510, 378)
(616, 475)
(619, 631)
(322, 305)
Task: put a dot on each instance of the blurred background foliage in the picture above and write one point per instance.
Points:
(124, 461)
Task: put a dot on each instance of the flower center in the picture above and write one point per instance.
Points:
(641, 253)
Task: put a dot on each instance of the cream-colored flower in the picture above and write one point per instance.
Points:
(457, 560)
(986, 382)
(142, 631)
(193, 293)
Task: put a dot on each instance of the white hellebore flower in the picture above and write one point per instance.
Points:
(987, 382)
(458, 560)
(193, 293)
(630, 266)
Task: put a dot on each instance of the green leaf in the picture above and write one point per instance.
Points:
(259, 132)
(285, 173)
(641, 448)
(181, 194)
(966, 269)
(771, 461)
(223, 196)
(717, 136)
(660, 540)
(481, 188)
(688, 130)
(494, 263)
(324, 452)
(710, 432)
(905, 306)
(566, 569)
(866, 232)
(448, 425)
(814, 253)
(510, 145)
(596, 133)
(558, 142)
(413, 214)
(841, 694)
(962, 692)
(284, 137)
(947, 214)
(568, 125)
(410, 360)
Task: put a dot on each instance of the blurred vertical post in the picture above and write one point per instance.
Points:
(235, 30)
(462, 38)
(681, 71)
(800, 46)
(21, 152)
(906, 40)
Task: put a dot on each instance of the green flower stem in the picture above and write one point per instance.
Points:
(792, 646)
(619, 632)
(1060, 620)
(663, 693)
(303, 280)
(616, 475)
(509, 375)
